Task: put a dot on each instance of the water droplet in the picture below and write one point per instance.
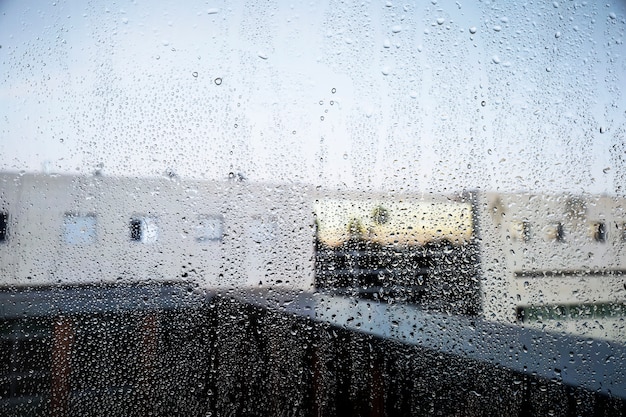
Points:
(440, 20)
(321, 102)
(322, 118)
(549, 69)
(262, 55)
(332, 102)
(396, 29)
(495, 59)
(483, 103)
(557, 34)
(293, 133)
(334, 90)
(345, 156)
(195, 74)
(413, 94)
(218, 81)
(612, 15)
(497, 28)
(555, 4)
(472, 30)
(125, 20)
(212, 11)
(602, 129)
(386, 70)
(386, 44)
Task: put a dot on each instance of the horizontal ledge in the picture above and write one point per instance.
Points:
(571, 273)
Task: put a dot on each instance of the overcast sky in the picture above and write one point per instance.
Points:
(411, 96)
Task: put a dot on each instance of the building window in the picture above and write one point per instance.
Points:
(209, 228)
(560, 232)
(520, 231)
(79, 229)
(556, 232)
(263, 230)
(598, 231)
(143, 229)
(4, 224)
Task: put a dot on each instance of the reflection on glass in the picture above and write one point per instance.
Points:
(79, 229)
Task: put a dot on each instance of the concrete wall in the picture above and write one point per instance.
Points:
(528, 262)
(264, 240)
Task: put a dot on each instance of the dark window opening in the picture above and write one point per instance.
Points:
(525, 231)
(136, 230)
(560, 232)
(599, 232)
(4, 220)
(561, 312)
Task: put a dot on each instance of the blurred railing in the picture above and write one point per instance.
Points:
(170, 350)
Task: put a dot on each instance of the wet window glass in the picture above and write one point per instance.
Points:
(312, 209)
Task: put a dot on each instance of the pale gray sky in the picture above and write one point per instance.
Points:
(412, 96)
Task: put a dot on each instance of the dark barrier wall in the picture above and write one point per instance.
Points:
(222, 358)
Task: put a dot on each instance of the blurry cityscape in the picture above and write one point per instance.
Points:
(124, 296)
